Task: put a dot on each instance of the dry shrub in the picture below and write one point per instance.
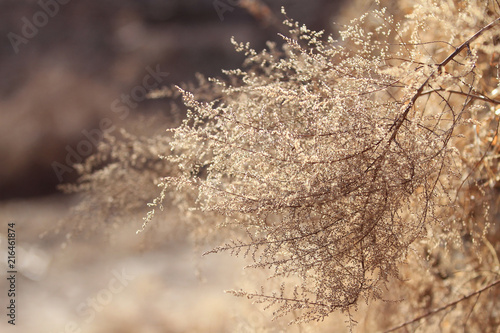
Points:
(343, 167)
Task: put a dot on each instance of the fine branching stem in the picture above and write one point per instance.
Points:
(420, 90)
(444, 307)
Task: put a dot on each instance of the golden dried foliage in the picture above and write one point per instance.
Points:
(331, 163)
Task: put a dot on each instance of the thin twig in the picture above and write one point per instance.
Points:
(475, 96)
(467, 43)
(397, 124)
(444, 307)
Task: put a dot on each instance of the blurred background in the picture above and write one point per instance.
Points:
(65, 78)
(66, 65)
